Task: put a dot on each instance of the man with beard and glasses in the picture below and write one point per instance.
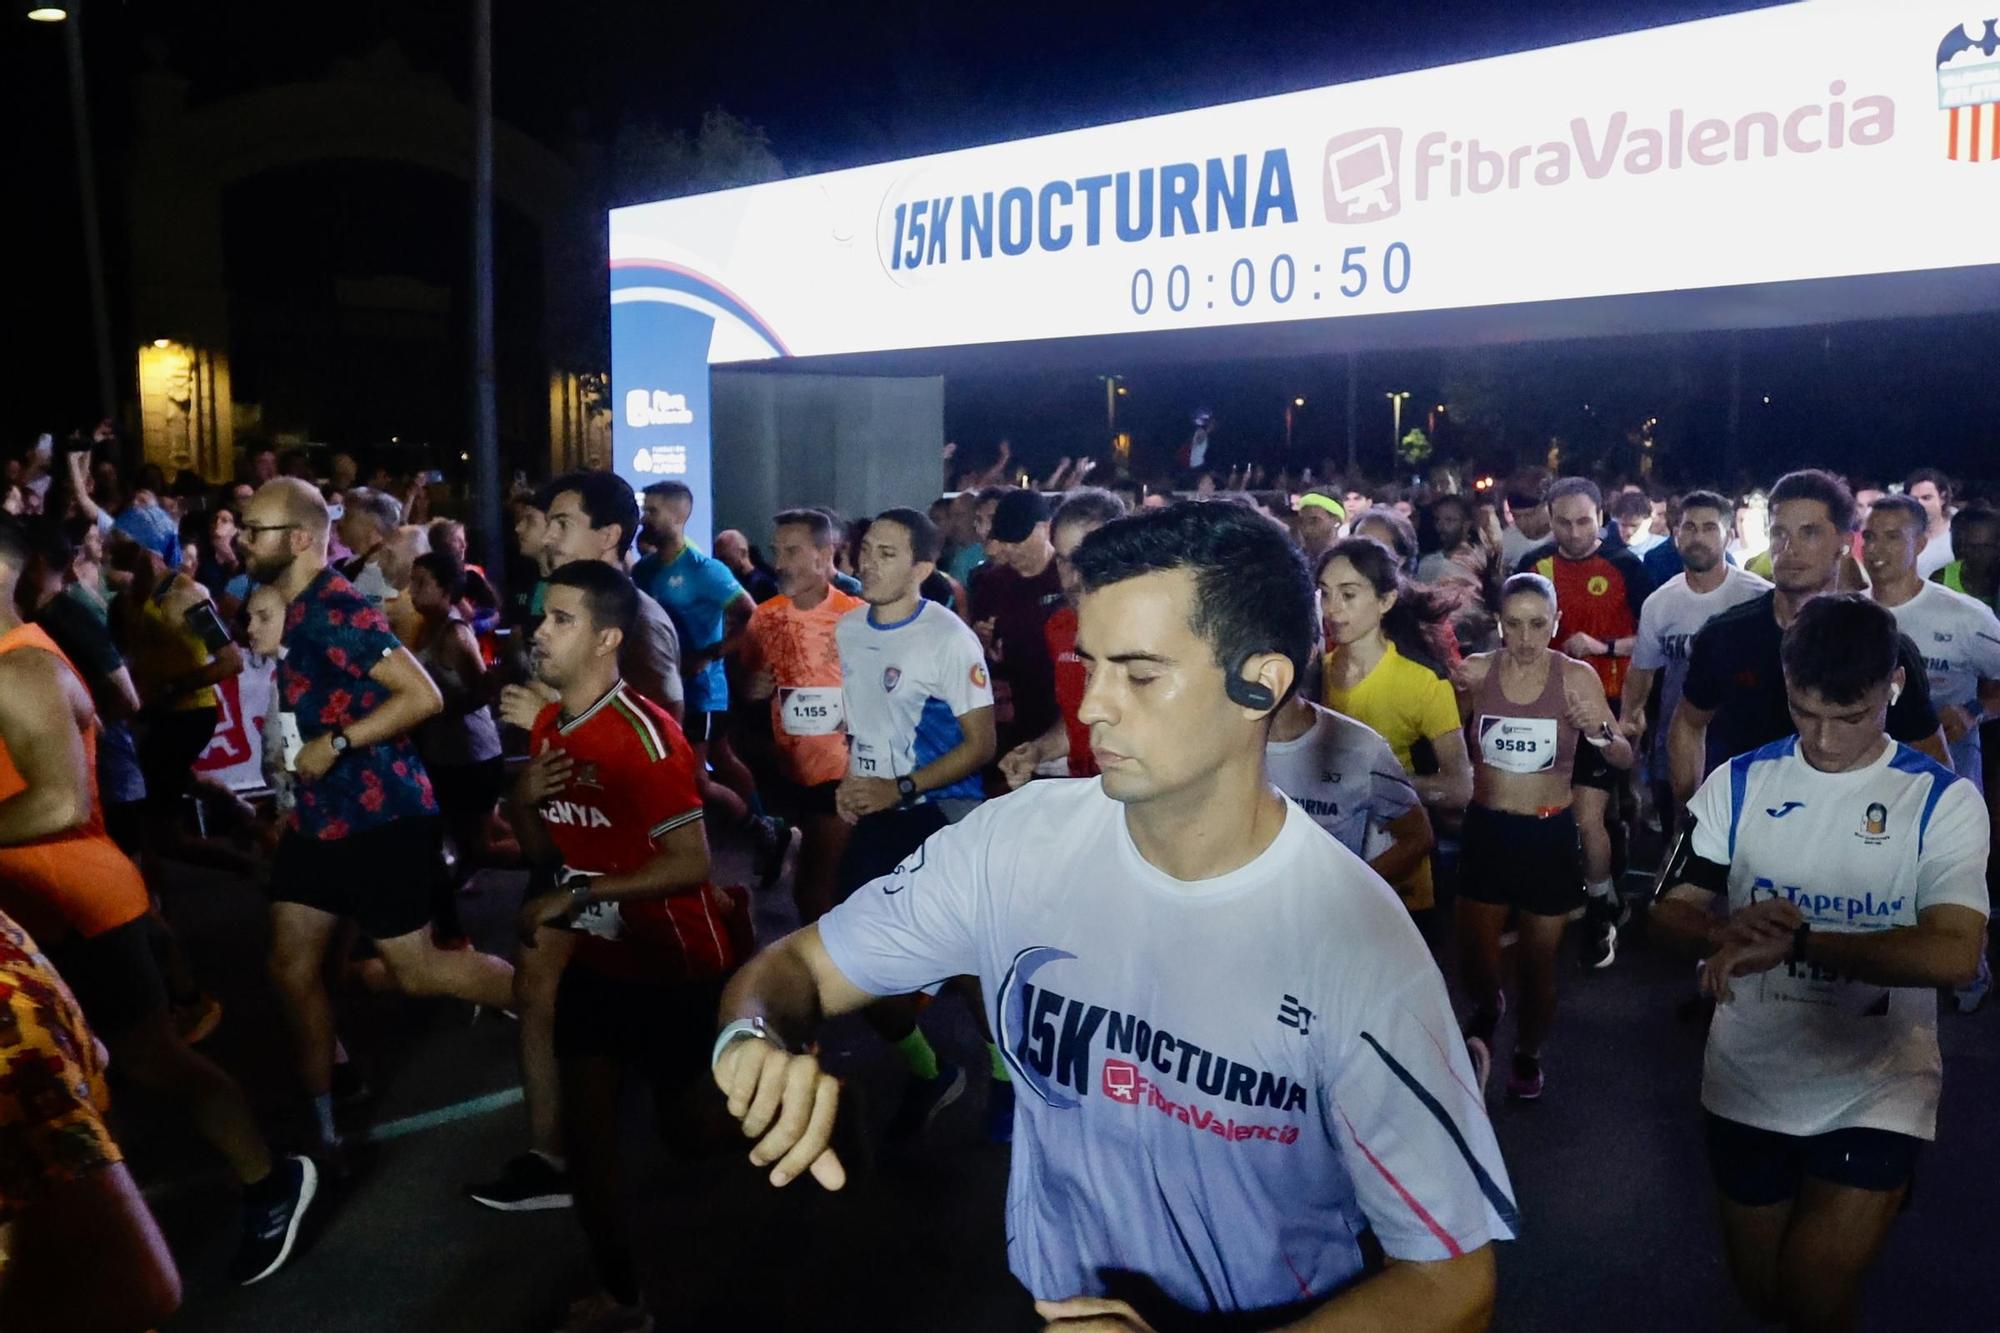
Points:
(363, 841)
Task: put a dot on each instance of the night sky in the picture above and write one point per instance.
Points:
(839, 85)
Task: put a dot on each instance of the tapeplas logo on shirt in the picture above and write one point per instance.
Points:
(1066, 1049)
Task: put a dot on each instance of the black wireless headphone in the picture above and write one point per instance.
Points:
(1244, 691)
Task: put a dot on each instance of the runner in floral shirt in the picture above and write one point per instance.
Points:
(364, 840)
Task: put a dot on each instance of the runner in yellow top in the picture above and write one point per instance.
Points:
(1377, 672)
(794, 676)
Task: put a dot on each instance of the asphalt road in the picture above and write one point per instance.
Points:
(1608, 1169)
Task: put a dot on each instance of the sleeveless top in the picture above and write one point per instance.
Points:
(163, 648)
(1524, 738)
(77, 880)
(447, 740)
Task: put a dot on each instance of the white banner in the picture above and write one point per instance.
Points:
(1816, 140)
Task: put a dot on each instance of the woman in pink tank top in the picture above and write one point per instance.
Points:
(1527, 708)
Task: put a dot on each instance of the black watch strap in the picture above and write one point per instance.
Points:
(906, 790)
(1800, 936)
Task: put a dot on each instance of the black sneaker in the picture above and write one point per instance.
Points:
(271, 1230)
(528, 1184)
(770, 838)
(923, 1099)
(1601, 919)
(348, 1088)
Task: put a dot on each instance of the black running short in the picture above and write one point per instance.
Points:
(880, 842)
(798, 802)
(667, 1031)
(168, 746)
(701, 727)
(114, 975)
(1529, 862)
(1592, 769)
(381, 877)
(1756, 1168)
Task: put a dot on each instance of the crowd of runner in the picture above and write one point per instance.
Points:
(1022, 753)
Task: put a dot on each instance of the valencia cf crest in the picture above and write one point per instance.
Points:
(891, 677)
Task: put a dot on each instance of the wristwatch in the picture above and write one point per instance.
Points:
(340, 742)
(737, 1031)
(578, 887)
(1800, 937)
(906, 791)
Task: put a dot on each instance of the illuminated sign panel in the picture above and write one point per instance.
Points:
(1825, 139)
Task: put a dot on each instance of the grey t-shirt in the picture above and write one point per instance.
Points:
(1221, 1084)
(1344, 775)
(650, 659)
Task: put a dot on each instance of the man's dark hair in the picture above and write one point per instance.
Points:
(1087, 504)
(1708, 500)
(1931, 475)
(1527, 489)
(1631, 504)
(1907, 507)
(1840, 646)
(444, 569)
(1252, 593)
(608, 593)
(818, 524)
(606, 498)
(992, 494)
(672, 490)
(1973, 515)
(1405, 544)
(924, 539)
(48, 543)
(1583, 486)
(1813, 483)
(1452, 499)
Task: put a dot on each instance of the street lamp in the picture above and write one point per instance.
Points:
(1396, 432)
(1291, 414)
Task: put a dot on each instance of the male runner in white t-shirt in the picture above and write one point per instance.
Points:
(1236, 1056)
(1853, 872)
(1672, 615)
(1959, 637)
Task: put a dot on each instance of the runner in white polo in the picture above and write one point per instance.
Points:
(1853, 873)
(1959, 638)
(1237, 1056)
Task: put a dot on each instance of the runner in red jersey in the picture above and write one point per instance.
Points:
(1599, 590)
(609, 800)
(1081, 513)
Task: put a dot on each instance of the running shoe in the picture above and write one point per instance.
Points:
(924, 1098)
(271, 1229)
(1481, 1056)
(349, 1089)
(198, 1019)
(1969, 998)
(601, 1312)
(528, 1184)
(1000, 1111)
(1524, 1080)
(1601, 919)
(770, 838)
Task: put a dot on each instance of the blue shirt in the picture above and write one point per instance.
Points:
(695, 588)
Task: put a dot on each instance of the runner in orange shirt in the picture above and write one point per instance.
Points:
(67, 883)
(794, 677)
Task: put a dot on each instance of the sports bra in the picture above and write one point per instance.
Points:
(1524, 738)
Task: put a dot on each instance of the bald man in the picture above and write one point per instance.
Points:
(732, 548)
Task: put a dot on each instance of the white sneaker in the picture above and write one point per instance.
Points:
(599, 1312)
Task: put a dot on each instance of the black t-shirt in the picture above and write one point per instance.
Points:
(1735, 672)
(83, 638)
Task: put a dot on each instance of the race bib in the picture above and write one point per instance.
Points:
(288, 731)
(603, 920)
(810, 712)
(1518, 744)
